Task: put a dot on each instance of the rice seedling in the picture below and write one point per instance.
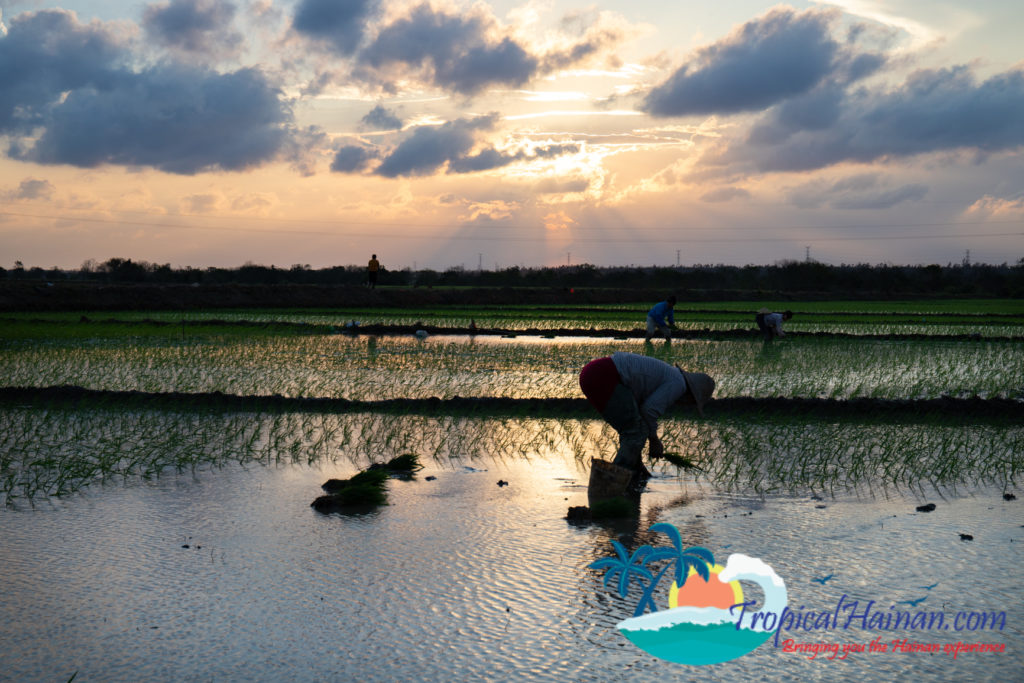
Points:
(366, 489)
(57, 450)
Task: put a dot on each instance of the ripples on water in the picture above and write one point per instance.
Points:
(459, 579)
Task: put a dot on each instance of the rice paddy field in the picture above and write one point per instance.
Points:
(157, 471)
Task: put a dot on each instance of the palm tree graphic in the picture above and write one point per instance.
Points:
(629, 568)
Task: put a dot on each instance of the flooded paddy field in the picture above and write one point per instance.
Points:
(158, 523)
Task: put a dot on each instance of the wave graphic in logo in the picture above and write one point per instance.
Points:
(707, 620)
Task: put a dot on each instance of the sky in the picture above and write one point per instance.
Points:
(441, 133)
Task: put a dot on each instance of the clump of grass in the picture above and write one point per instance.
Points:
(407, 463)
(366, 489)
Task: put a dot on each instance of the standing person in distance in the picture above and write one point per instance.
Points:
(372, 268)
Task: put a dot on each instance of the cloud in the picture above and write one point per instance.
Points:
(193, 26)
(769, 60)
(32, 188)
(725, 194)
(1002, 207)
(352, 159)
(202, 203)
(933, 111)
(467, 51)
(561, 186)
(861, 191)
(176, 119)
(558, 221)
(382, 118)
(453, 147)
(44, 54)
(67, 96)
(339, 24)
(429, 148)
(460, 52)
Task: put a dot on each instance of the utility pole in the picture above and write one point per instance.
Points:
(480, 262)
(807, 254)
(677, 258)
(967, 258)
(567, 254)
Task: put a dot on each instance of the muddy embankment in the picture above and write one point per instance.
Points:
(38, 295)
(946, 409)
(548, 333)
(78, 296)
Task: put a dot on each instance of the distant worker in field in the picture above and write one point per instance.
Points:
(770, 323)
(371, 272)
(661, 318)
(631, 392)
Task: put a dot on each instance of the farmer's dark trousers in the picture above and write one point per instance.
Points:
(603, 387)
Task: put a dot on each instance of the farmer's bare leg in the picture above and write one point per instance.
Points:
(623, 415)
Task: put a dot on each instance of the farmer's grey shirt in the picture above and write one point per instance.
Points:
(774, 320)
(656, 385)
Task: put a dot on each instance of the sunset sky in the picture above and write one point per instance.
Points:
(440, 133)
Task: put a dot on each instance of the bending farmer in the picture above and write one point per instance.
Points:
(632, 391)
(770, 323)
(656, 319)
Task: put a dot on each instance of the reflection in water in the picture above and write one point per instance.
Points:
(342, 366)
(58, 451)
(457, 578)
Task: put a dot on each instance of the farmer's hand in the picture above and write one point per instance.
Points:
(657, 449)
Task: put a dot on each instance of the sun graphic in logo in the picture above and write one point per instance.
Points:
(696, 592)
(699, 626)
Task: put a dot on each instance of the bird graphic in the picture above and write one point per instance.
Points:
(928, 588)
(823, 579)
(912, 603)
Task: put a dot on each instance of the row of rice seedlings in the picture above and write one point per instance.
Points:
(56, 452)
(859, 318)
(833, 458)
(377, 368)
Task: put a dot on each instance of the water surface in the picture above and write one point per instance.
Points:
(462, 579)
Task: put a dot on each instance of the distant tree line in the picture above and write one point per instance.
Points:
(964, 279)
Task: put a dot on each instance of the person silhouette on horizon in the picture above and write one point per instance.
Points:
(371, 272)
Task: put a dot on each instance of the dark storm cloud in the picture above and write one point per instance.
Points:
(199, 26)
(352, 159)
(68, 85)
(466, 52)
(382, 118)
(45, 54)
(175, 119)
(339, 24)
(767, 60)
(453, 147)
(934, 111)
(429, 148)
(457, 52)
